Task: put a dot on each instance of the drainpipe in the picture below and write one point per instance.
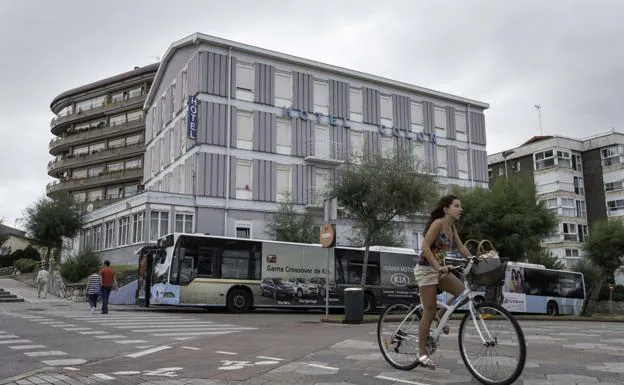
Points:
(470, 156)
(227, 144)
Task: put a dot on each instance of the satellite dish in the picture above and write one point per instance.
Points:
(90, 207)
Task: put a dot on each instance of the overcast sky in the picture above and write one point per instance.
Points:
(565, 55)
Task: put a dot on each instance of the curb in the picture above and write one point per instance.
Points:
(519, 318)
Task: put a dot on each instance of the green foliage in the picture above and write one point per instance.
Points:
(48, 220)
(618, 293)
(605, 245)
(545, 257)
(3, 238)
(25, 265)
(508, 215)
(287, 225)
(390, 235)
(80, 266)
(592, 274)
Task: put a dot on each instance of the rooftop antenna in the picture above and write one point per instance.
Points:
(539, 112)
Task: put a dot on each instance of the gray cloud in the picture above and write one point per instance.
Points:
(562, 54)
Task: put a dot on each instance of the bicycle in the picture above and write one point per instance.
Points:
(400, 338)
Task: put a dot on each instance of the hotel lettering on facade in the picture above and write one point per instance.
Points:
(230, 128)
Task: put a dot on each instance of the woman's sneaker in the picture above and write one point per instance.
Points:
(427, 362)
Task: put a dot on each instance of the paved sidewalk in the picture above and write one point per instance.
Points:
(29, 293)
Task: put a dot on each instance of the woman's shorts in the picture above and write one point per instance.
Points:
(426, 276)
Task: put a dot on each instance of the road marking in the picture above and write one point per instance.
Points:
(400, 380)
(63, 325)
(70, 368)
(110, 336)
(148, 351)
(76, 329)
(93, 332)
(190, 348)
(127, 373)
(26, 347)
(222, 352)
(270, 358)
(6, 342)
(193, 328)
(323, 367)
(43, 354)
(131, 341)
(191, 334)
(69, 361)
(8, 336)
(103, 376)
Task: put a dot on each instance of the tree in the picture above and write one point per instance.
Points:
(50, 219)
(592, 276)
(3, 238)
(508, 215)
(545, 257)
(605, 248)
(379, 189)
(288, 225)
(390, 235)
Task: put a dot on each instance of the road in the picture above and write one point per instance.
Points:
(65, 344)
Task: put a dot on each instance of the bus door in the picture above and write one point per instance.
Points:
(146, 267)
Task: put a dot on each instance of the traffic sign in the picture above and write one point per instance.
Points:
(328, 235)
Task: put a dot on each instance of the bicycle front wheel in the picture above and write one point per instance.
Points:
(492, 345)
(397, 335)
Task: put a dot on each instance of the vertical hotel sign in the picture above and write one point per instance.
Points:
(191, 118)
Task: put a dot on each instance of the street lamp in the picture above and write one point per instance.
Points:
(539, 114)
(505, 155)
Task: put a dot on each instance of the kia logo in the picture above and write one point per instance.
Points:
(399, 279)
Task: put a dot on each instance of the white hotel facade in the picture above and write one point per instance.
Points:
(263, 123)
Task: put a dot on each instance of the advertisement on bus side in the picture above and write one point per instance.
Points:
(514, 297)
(397, 271)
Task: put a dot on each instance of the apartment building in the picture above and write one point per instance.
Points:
(99, 138)
(579, 179)
(230, 128)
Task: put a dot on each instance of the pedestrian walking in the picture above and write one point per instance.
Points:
(108, 282)
(42, 282)
(94, 286)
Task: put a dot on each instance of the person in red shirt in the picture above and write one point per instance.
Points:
(108, 280)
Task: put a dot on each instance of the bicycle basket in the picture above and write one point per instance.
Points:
(488, 273)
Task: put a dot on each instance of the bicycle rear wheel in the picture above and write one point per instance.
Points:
(504, 349)
(397, 335)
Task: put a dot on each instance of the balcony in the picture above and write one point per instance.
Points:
(325, 152)
(59, 122)
(104, 178)
(56, 167)
(315, 197)
(60, 144)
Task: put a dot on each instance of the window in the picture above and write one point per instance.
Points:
(109, 235)
(418, 152)
(579, 185)
(81, 150)
(321, 182)
(386, 110)
(244, 130)
(95, 171)
(611, 156)
(284, 141)
(460, 127)
(163, 116)
(133, 163)
(124, 227)
(117, 166)
(114, 192)
(283, 89)
(172, 94)
(564, 159)
(135, 115)
(568, 207)
(441, 155)
(184, 88)
(417, 116)
(613, 186)
(569, 232)
(79, 196)
(97, 238)
(577, 162)
(387, 145)
(184, 223)
(116, 143)
(440, 121)
(137, 228)
(551, 203)
(245, 80)
(183, 136)
(572, 253)
(79, 174)
(321, 97)
(283, 182)
(322, 148)
(243, 179)
(357, 143)
(243, 229)
(355, 104)
(462, 163)
(615, 205)
(581, 209)
(544, 159)
(117, 120)
(235, 263)
(97, 147)
(159, 224)
(94, 195)
(583, 230)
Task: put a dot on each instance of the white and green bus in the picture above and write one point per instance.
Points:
(242, 274)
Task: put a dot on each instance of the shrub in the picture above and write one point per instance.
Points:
(618, 293)
(25, 265)
(80, 266)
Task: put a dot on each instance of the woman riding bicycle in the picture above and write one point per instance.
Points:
(440, 238)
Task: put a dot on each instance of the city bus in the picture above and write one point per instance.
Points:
(241, 274)
(534, 289)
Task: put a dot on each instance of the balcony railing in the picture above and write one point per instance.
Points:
(106, 106)
(101, 131)
(104, 155)
(315, 197)
(324, 151)
(105, 177)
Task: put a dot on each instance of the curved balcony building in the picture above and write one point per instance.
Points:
(99, 137)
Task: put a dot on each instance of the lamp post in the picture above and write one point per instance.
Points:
(539, 114)
(505, 155)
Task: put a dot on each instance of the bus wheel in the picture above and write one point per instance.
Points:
(238, 301)
(552, 309)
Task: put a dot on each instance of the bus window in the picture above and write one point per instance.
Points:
(206, 261)
(186, 270)
(235, 264)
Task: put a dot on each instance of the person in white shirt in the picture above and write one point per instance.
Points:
(42, 282)
(94, 286)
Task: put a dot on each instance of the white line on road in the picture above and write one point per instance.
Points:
(69, 361)
(193, 328)
(190, 348)
(270, 358)
(8, 336)
(127, 373)
(63, 325)
(103, 376)
(131, 341)
(190, 334)
(222, 352)
(76, 329)
(323, 367)
(93, 332)
(26, 347)
(148, 351)
(70, 368)
(400, 380)
(6, 342)
(110, 337)
(43, 354)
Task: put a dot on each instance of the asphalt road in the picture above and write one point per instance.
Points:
(69, 345)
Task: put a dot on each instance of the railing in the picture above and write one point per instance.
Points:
(325, 151)
(102, 178)
(96, 156)
(95, 132)
(315, 196)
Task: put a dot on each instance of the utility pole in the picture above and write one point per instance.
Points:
(505, 155)
(539, 114)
